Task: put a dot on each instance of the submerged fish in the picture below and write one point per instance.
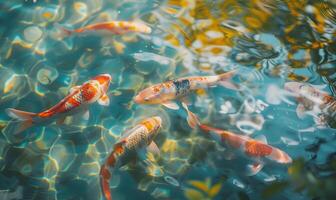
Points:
(114, 27)
(311, 98)
(165, 93)
(77, 101)
(132, 142)
(257, 151)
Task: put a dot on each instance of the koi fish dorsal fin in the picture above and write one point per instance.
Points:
(261, 138)
(153, 148)
(19, 114)
(171, 105)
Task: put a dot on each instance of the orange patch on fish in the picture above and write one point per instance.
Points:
(88, 91)
(232, 140)
(255, 148)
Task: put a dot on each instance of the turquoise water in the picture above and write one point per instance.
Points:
(269, 43)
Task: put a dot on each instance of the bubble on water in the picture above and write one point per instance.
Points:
(260, 105)
(226, 107)
(249, 126)
(47, 75)
(32, 33)
(172, 181)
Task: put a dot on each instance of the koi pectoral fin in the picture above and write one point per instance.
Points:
(253, 169)
(153, 148)
(104, 100)
(60, 120)
(300, 111)
(192, 119)
(171, 105)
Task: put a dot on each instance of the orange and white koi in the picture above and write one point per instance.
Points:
(79, 98)
(165, 93)
(114, 27)
(255, 150)
(311, 98)
(131, 143)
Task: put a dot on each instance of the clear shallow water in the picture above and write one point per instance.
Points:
(269, 42)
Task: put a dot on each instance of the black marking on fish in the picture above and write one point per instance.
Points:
(182, 86)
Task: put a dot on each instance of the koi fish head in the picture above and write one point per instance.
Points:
(296, 87)
(150, 95)
(152, 125)
(306, 91)
(103, 81)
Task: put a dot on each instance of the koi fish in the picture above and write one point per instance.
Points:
(257, 151)
(114, 27)
(77, 101)
(131, 143)
(165, 93)
(311, 98)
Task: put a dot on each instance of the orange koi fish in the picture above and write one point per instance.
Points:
(78, 100)
(132, 142)
(255, 150)
(165, 93)
(311, 98)
(114, 27)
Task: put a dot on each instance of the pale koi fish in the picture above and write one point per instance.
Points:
(312, 98)
(114, 27)
(132, 142)
(259, 152)
(165, 93)
(77, 101)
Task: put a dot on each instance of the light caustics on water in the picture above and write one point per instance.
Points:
(261, 70)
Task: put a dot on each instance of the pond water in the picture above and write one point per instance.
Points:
(267, 42)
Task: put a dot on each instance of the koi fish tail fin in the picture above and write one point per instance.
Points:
(63, 32)
(225, 80)
(192, 118)
(20, 115)
(105, 176)
(23, 121)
